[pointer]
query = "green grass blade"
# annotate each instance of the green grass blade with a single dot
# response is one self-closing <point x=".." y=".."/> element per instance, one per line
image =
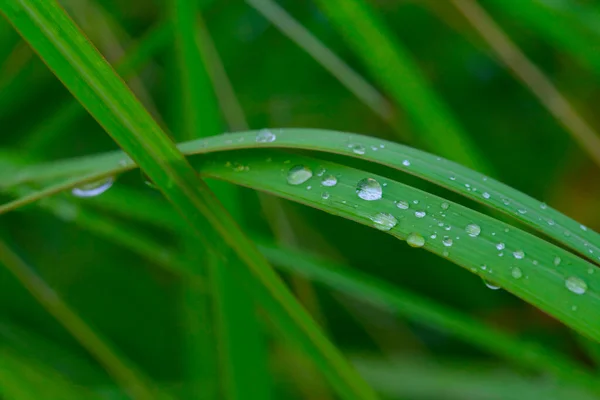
<point x="427" y="312"/>
<point x="447" y="174"/>
<point x="122" y="370"/>
<point x="532" y="77"/>
<point x="52" y="128"/>
<point x="394" y="69"/>
<point x="72" y="58"/>
<point x="355" y="83"/>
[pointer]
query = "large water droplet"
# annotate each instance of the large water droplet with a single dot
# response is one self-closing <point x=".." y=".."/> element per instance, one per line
<point x="369" y="189"/>
<point x="415" y="240"/>
<point x="519" y="254"/>
<point x="447" y="241"/>
<point x="576" y="285"/>
<point x="265" y="136"/>
<point x="93" y="188"/>
<point x="329" y="181"/>
<point x="420" y="214"/>
<point x="516" y="273"/>
<point x="473" y="230"/>
<point x="384" y="221"/>
<point x="357" y="148"/>
<point x="298" y="174"/>
<point x="401" y="204"/>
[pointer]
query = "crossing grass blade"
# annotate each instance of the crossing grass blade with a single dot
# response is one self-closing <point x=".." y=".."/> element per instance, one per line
<point x="93" y="82"/>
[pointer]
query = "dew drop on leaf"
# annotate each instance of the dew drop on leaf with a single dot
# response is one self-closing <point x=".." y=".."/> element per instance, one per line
<point x="519" y="254"/>
<point x="491" y="285"/>
<point x="445" y="206"/>
<point x="401" y="204"/>
<point x="420" y="214"/>
<point x="369" y="189"/>
<point x="486" y="195"/>
<point x="298" y="174"/>
<point x="265" y="136"/>
<point x="447" y="241"/>
<point x="415" y="240"/>
<point x="500" y="246"/>
<point x="325" y="195"/>
<point x="384" y="221"/>
<point x="93" y="188"/>
<point x="329" y="181"/>
<point x="557" y="261"/>
<point x="357" y="148"/>
<point x="576" y="285"/>
<point x="516" y="273"/>
<point x="406" y="163"/>
<point x="473" y="230"/>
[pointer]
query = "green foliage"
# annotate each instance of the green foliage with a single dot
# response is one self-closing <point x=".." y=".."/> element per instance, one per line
<point x="163" y="285"/>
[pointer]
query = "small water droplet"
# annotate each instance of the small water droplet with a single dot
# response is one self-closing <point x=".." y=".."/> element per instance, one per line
<point x="452" y="178"/>
<point x="516" y="273"/>
<point x="500" y="246"/>
<point x="357" y="148"/>
<point x="447" y="241"/>
<point x="551" y="222"/>
<point x="93" y="188"/>
<point x="576" y="285"/>
<point x="415" y="201"/>
<point x="583" y="227"/>
<point x="486" y="195"/>
<point x="325" y="195"/>
<point x="329" y="181"/>
<point x="298" y="174"/>
<point x="415" y="240"/>
<point x="369" y="189"/>
<point x="445" y="206"/>
<point x="522" y="211"/>
<point x="401" y="204"/>
<point x="535" y="262"/>
<point x="519" y="254"/>
<point x="483" y="267"/>
<point x="491" y="285"/>
<point x="420" y="214"/>
<point x="265" y="136"/>
<point x="557" y="261"/>
<point x="308" y="187"/>
<point x="374" y="148"/>
<point x="505" y="202"/>
<point x="543" y="206"/>
<point x="384" y="221"/>
<point x="473" y="230"/>
<point x="445" y="253"/>
<point x="321" y="171"/>
<point x="433" y="236"/>
<point x="406" y="163"/>
<point x="590" y="270"/>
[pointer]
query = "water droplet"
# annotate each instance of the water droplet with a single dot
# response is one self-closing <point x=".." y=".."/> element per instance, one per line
<point x="308" y="187"/>
<point x="518" y="254"/>
<point x="452" y="178"/>
<point x="491" y="286"/>
<point x="329" y="181"/>
<point x="374" y="148"/>
<point x="369" y="189"/>
<point x="505" y="202"/>
<point x="406" y="163"/>
<point x="420" y="214"/>
<point x="415" y="201"/>
<point x="445" y="253"/>
<point x="401" y="204"/>
<point x="433" y="236"/>
<point x="445" y="206"/>
<point x="298" y="174"/>
<point x="415" y="240"/>
<point x="522" y="211"/>
<point x="321" y="171"/>
<point x="384" y="221"/>
<point x="486" y="195"/>
<point x="543" y="206"/>
<point x="583" y="227"/>
<point x="500" y="246"/>
<point x="576" y="285"/>
<point x="473" y="230"/>
<point x="516" y="273"/>
<point x="447" y="241"/>
<point x="557" y="261"/>
<point x="590" y="270"/>
<point x="357" y="148"/>
<point x="551" y="222"/>
<point x="483" y="267"/>
<point x="325" y="195"/>
<point x="265" y="136"/>
<point x="535" y="262"/>
<point x="93" y="188"/>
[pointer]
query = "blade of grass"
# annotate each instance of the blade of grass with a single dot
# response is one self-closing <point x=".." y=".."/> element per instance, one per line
<point x="447" y="174"/>
<point x="532" y="77"/>
<point x="355" y="83"/>
<point x="56" y="125"/>
<point x="58" y="41"/>
<point x="544" y="275"/>
<point x="392" y="66"/>
<point x="122" y="370"/>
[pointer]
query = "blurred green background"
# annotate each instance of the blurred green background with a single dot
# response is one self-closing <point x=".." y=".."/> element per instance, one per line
<point x="137" y="306"/>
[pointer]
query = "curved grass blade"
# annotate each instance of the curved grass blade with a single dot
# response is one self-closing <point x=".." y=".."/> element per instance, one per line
<point x="447" y="174"/>
<point x="93" y="82"/>
<point x="532" y="77"/>
<point x="122" y="371"/>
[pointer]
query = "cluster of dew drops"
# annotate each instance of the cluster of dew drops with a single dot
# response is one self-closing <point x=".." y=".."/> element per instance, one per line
<point x="369" y="189"/>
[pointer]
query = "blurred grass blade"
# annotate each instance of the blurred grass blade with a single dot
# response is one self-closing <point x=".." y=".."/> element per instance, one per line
<point x="355" y="83"/>
<point x="25" y="378"/>
<point x="532" y="77"/>
<point x="447" y="174"/>
<point x="52" y="128"/>
<point x="93" y="82"/>
<point x="423" y="311"/>
<point x="121" y="370"/>
<point x="395" y="69"/>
